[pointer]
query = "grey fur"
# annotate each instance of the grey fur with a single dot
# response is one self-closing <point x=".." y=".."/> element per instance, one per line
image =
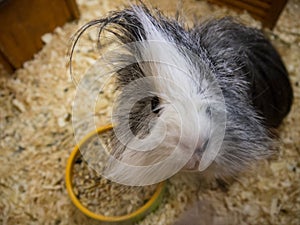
<point x="250" y="73"/>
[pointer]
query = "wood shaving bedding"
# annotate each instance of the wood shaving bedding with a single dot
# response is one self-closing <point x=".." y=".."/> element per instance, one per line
<point x="36" y="135"/>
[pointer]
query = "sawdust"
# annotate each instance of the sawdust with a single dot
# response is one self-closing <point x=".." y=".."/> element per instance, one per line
<point x="104" y="197"/>
<point x="36" y="135"/>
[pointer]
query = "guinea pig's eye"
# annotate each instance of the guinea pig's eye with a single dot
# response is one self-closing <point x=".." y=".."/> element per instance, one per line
<point x="208" y="111"/>
<point x="154" y="105"/>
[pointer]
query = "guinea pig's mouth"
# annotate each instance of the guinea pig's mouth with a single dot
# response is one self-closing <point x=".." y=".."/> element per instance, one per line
<point x="193" y="163"/>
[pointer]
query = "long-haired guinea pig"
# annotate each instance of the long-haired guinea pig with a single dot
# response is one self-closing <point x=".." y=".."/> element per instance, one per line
<point x="171" y="80"/>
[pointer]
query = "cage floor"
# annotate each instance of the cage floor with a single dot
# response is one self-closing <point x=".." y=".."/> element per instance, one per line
<point x="36" y="136"/>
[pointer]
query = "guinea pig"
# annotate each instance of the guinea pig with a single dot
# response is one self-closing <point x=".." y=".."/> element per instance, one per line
<point x="172" y="80"/>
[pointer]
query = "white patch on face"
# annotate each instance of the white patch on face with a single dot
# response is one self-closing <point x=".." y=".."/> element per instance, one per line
<point x="178" y="86"/>
<point x="182" y="125"/>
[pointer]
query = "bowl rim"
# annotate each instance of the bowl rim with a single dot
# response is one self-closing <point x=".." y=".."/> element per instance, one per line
<point x="69" y="185"/>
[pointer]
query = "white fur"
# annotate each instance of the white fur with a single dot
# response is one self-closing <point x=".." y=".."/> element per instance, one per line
<point x="183" y="125"/>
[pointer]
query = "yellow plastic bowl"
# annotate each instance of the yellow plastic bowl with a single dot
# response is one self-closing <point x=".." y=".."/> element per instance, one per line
<point x="148" y="207"/>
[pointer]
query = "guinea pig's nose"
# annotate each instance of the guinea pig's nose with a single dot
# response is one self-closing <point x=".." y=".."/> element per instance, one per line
<point x="202" y="148"/>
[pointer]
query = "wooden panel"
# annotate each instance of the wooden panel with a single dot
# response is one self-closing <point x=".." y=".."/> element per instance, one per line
<point x="257" y="3"/>
<point x="5" y="63"/>
<point x="73" y="8"/>
<point x="244" y="6"/>
<point x="266" y="11"/>
<point x="274" y="13"/>
<point x="23" y="22"/>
